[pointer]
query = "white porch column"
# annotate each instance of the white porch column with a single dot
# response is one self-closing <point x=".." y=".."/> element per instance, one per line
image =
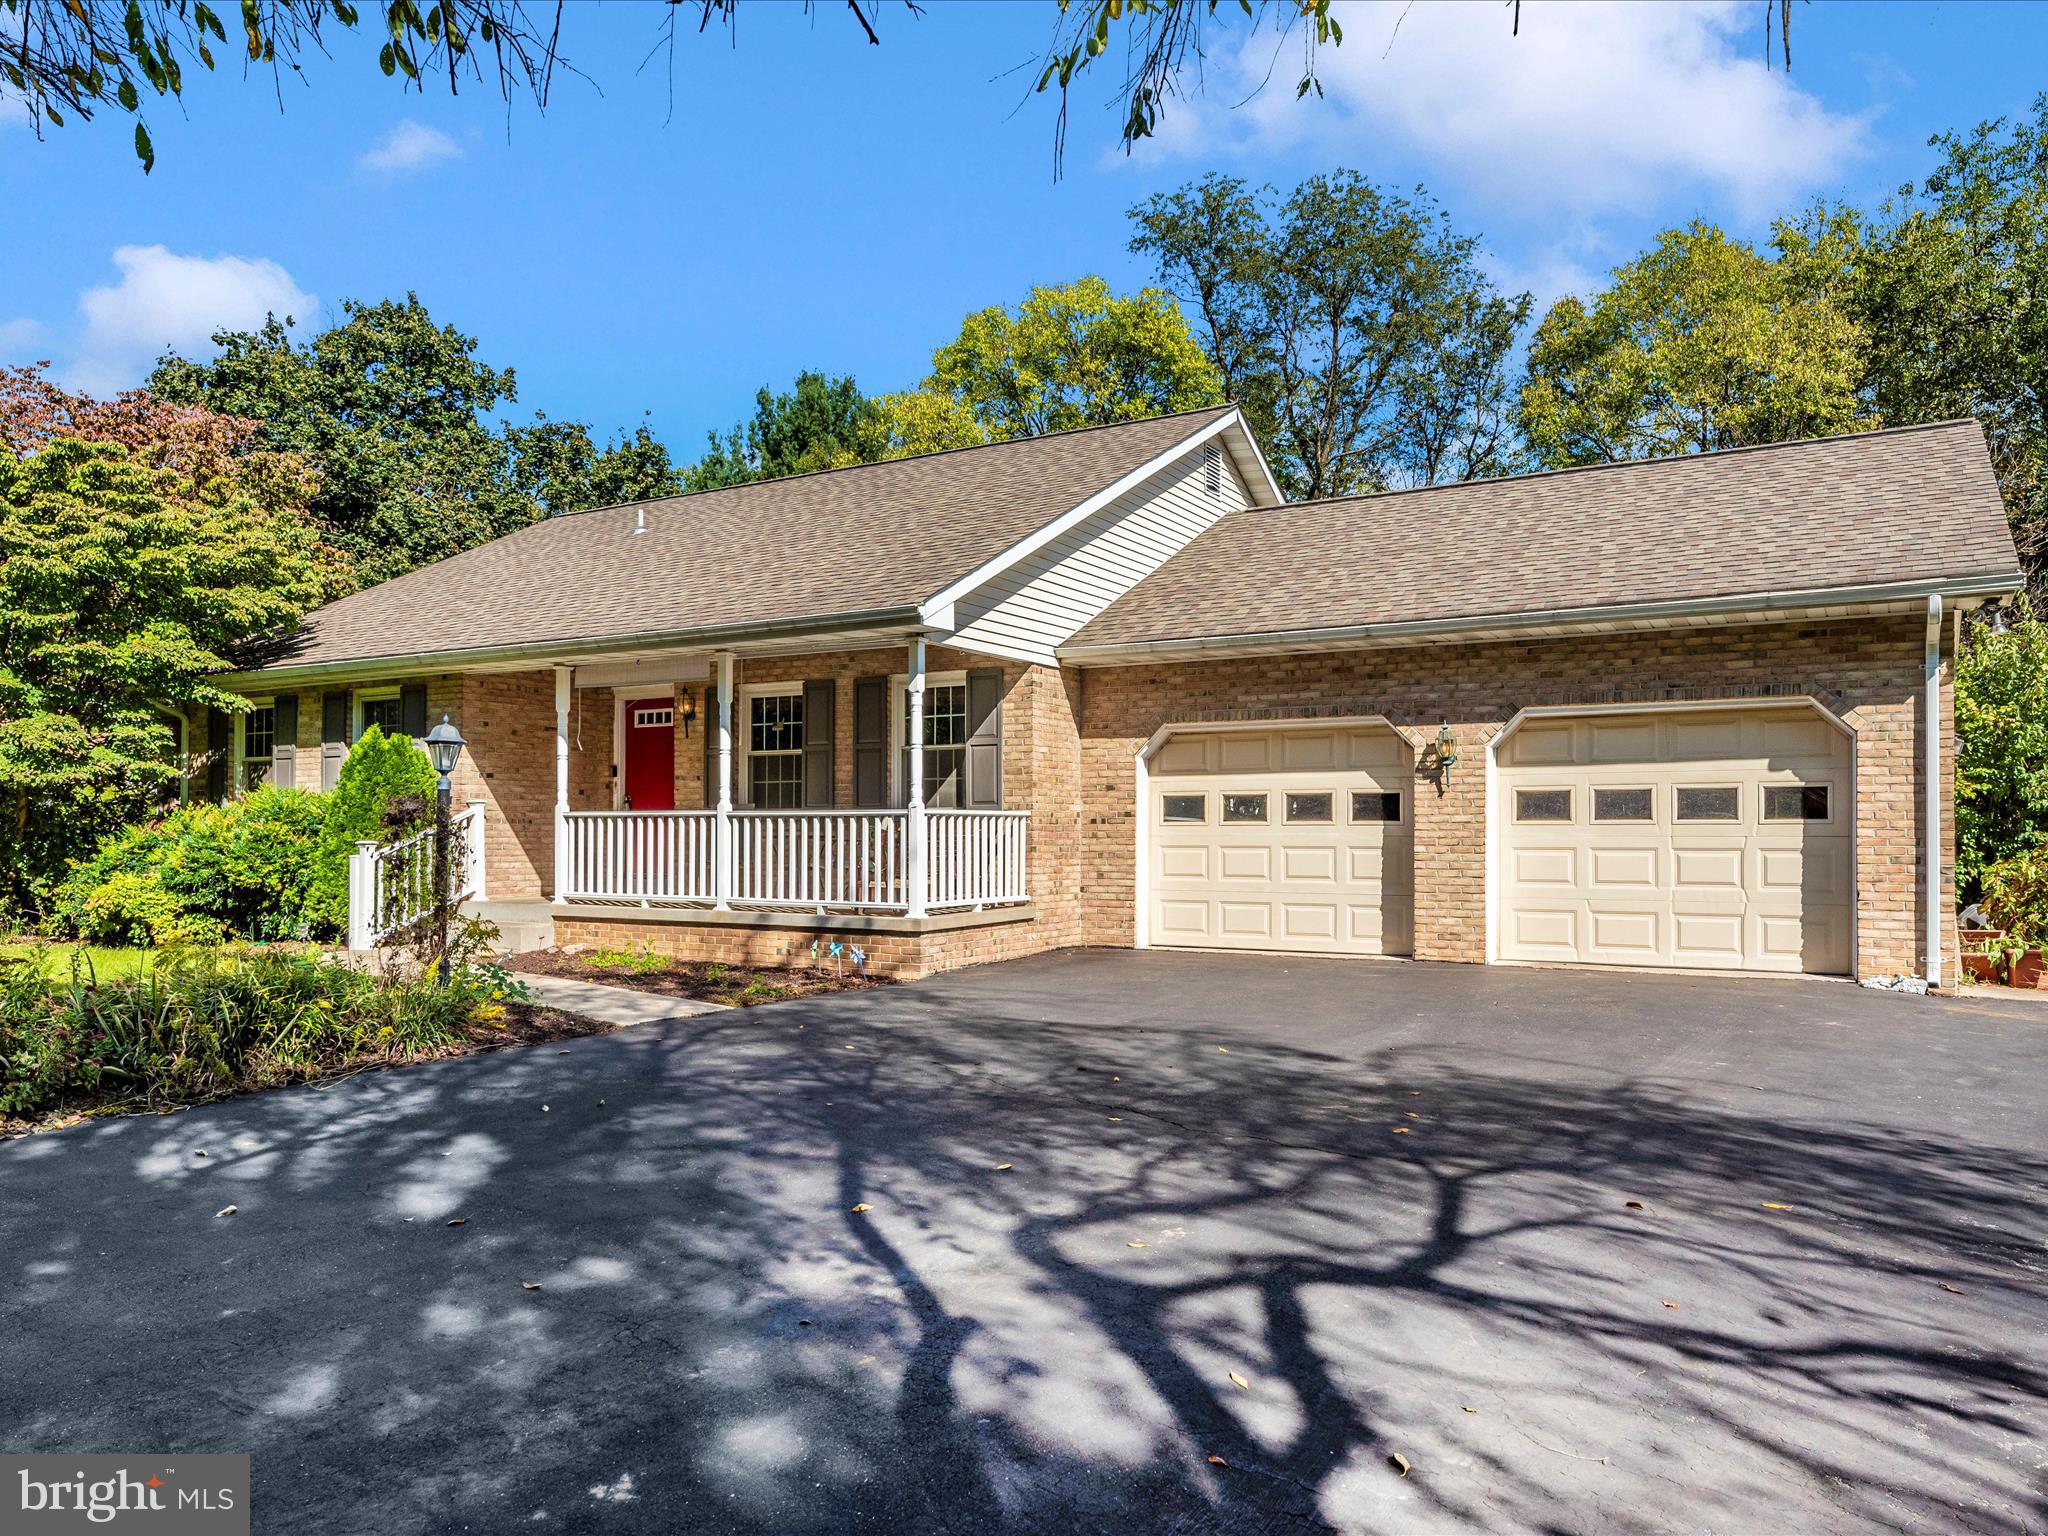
<point x="722" y="829"/>
<point x="916" y="848"/>
<point x="564" y="681"/>
<point x="1937" y="919"/>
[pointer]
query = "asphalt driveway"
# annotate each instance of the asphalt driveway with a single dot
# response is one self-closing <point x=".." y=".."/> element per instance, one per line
<point x="1592" y="1252"/>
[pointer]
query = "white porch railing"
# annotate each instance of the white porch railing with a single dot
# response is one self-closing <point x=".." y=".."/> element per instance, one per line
<point x="977" y="857"/>
<point x="390" y="887"/>
<point x="799" y="860"/>
<point x="820" y="858"/>
<point x="641" y="855"/>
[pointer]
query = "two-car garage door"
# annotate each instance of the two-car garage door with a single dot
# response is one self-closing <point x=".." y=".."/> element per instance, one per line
<point x="1285" y="839"/>
<point x="1712" y="840"/>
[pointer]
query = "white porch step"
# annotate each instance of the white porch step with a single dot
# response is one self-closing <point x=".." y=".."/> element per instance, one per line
<point x="522" y="925"/>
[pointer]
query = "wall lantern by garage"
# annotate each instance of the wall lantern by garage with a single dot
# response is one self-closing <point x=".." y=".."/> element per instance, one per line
<point x="1446" y="755"/>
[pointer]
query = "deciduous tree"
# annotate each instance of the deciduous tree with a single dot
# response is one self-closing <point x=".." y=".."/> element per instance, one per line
<point x="1700" y="343"/>
<point x="1074" y="355"/>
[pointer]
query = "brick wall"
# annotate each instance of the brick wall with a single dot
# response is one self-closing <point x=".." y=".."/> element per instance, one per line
<point x="1866" y="671"/>
<point x="905" y="956"/>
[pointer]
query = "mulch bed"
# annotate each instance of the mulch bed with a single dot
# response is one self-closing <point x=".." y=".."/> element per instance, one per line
<point x="735" y="985"/>
<point x="523" y="1024"/>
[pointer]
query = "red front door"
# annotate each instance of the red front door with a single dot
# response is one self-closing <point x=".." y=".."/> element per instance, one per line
<point x="651" y="754"/>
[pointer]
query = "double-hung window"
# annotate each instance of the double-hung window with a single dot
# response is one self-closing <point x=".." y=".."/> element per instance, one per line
<point x="378" y="707"/>
<point x="259" y="745"/>
<point x="775" y="751"/>
<point x="945" y="743"/>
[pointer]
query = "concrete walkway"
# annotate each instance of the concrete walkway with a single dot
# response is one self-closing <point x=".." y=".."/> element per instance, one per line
<point x="613" y="1005"/>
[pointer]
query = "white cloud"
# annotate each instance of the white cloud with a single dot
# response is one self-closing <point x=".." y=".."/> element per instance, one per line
<point x="18" y="338"/>
<point x="1593" y="106"/>
<point x="167" y="300"/>
<point x="410" y="146"/>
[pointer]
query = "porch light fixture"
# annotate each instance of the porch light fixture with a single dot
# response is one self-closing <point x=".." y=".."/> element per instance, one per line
<point x="1446" y="751"/>
<point x="686" y="708"/>
<point x="444" y="747"/>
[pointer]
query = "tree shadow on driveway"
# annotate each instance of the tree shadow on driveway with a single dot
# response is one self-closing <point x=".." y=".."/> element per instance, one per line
<point x="1579" y="1297"/>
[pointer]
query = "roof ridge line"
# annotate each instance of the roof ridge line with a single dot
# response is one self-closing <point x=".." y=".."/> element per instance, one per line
<point x="1662" y="458"/>
<point x="908" y="458"/>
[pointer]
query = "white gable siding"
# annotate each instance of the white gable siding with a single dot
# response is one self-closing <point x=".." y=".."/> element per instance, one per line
<point x="1043" y="600"/>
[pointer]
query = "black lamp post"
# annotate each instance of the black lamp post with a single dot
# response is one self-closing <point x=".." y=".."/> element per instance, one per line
<point x="444" y="747"/>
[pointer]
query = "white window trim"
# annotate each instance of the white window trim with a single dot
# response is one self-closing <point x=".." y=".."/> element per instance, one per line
<point x="359" y="698"/>
<point x="239" y="758"/>
<point x="743" y="736"/>
<point x="622" y="700"/>
<point x="899" y="684"/>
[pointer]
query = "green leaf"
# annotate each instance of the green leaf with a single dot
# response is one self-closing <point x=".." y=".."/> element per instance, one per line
<point x="144" y="150"/>
<point x="128" y="96"/>
<point x="387" y="60"/>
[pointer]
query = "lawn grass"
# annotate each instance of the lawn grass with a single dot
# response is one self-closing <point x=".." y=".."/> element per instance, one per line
<point x="105" y="964"/>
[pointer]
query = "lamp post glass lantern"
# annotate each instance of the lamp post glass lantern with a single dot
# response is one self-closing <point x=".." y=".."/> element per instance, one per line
<point x="444" y="749"/>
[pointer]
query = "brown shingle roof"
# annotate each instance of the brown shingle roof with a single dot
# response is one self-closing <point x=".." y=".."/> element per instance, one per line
<point x="1907" y="504"/>
<point x="840" y="542"/>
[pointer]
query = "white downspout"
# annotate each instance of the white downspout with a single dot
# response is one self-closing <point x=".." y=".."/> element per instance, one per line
<point x="1141" y="928"/>
<point x="564" y="681"/>
<point x="1935" y="923"/>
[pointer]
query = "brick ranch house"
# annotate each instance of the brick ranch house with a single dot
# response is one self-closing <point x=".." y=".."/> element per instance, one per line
<point x="1680" y="713"/>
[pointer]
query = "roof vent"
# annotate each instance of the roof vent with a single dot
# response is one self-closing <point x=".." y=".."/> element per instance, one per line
<point x="1212" y="470"/>
<point x="640" y="520"/>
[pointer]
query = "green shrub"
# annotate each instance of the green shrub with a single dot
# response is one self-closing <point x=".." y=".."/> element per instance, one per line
<point x="2001" y="747"/>
<point x="381" y="771"/>
<point x="242" y="869"/>
<point x="2016" y="896"/>
<point x="203" y="1022"/>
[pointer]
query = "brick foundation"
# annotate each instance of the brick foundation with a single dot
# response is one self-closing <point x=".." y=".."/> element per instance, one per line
<point x="903" y="955"/>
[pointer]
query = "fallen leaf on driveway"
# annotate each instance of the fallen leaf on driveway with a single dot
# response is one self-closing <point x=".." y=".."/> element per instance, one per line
<point x="1116" y="1117"/>
<point x="1672" y="1305"/>
<point x="1634" y="1205"/>
<point x="1004" y="1167"/>
<point x="862" y="1207"/>
<point x="1238" y="1381"/>
<point x="1224" y="1049"/>
<point x="1399" y="1462"/>
<point x="1772" y="1205"/>
<point x="1953" y="1290"/>
<point x="529" y="1285"/>
<point x="1471" y="1410"/>
<point x="459" y="1221"/>
<point x="1218" y="1461"/>
<point x="199" y="1152"/>
<point x="226" y="1210"/>
<point x="1400" y="1130"/>
<point x="543" y="1109"/>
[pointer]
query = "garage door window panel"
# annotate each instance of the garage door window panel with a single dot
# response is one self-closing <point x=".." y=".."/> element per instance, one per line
<point x="1631" y="804"/>
<point x="1244" y="808"/>
<point x="1707" y="802"/>
<point x="1543" y="805"/>
<point x="1315" y="806"/>
<point x="1375" y="805"/>
<point x="1797" y="802"/>
<point x="1184" y="809"/>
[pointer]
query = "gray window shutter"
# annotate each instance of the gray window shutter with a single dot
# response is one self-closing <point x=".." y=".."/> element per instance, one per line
<point x="871" y="742"/>
<point x="710" y="721"/>
<point x="984" y="788"/>
<point x="284" y="751"/>
<point x="820" y="697"/>
<point x="412" y="710"/>
<point x="220" y="747"/>
<point x="333" y="736"/>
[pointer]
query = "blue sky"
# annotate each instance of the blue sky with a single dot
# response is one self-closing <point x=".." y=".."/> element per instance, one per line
<point x="809" y="201"/>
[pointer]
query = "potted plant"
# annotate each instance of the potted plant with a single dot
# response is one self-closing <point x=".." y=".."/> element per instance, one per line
<point x="2016" y="900"/>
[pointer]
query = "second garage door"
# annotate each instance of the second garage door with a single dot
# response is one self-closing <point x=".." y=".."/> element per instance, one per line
<point x="1715" y="840"/>
<point x="1294" y="839"/>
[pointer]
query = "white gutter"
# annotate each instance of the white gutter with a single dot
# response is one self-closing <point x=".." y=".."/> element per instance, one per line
<point x="1932" y="859"/>
<point x="1560" y="618"/>
<point x="550" y="651"/>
